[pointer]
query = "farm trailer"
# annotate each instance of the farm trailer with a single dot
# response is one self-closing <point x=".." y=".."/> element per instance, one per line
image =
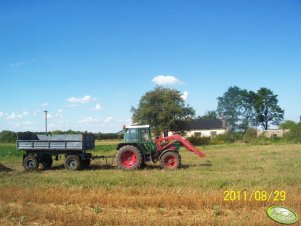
<point x="40" y="149"/>
<point x="136" y="149"/>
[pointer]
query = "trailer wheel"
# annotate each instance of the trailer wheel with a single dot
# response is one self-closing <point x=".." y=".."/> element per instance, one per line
<point x="72" y="162"/>
<point x="46" y="161"/>
<point x="129" y="158"/>
<point x="170" y="160"/>
<point x="30" y="162"/>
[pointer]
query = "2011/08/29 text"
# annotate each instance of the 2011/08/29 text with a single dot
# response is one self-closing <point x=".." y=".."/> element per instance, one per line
<point x="259" y="196"/>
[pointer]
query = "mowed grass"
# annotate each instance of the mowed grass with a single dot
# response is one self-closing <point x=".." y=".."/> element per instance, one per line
<point x="192" y="195"/>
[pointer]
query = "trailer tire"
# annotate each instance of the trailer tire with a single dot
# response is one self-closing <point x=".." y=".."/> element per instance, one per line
<point x="30" y="162"/>
<point x="46" y="161"/>
<point x="129" y="157"/>
<point x="170" y="160"/>
<point x="72" y="162"/>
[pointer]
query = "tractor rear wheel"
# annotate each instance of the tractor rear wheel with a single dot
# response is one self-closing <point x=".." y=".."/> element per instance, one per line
<point x="170" y="160"/>
<point x="30" y="162"/>
<point x="72" y="162"/>
<point x="129" y="158"/>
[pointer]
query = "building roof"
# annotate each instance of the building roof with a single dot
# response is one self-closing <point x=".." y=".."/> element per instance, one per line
<point x="202" y="124"/>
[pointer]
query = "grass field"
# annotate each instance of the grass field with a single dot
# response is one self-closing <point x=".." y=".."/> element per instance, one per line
<point x="192" y="195"/>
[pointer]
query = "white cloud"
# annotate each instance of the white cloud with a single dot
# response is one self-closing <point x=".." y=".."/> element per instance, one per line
<point x="72" y="105"/>
<point x="88" y="120"/>
<point x="25" y="113"/>
<point x="108" y="119"/>
<point x="52" y="115"/>
<point x="1" y="114"/>
<point x="166" y="80"/>
<point x="97" y="107"/>
<point x="185" y="95"/>
<point x="14" y="115"/>
<point x="44" y="104"/>
<point x="49" y="116"/>
<point x="28" y="123"/>
<point x="36" y="112"/>
<point x="22" y="62"/>
<point x="80" y="100"/>
<point x="58" y="115"/>
<point x="127" y="121"/>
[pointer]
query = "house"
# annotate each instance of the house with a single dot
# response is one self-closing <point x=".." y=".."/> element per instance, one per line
<point x="206" y="128"/>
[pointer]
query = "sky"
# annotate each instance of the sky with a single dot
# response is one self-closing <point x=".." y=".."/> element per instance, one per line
<point x="88" y="62"/>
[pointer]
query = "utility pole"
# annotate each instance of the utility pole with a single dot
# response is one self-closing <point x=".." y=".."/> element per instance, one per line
<point x="46" y="121"/>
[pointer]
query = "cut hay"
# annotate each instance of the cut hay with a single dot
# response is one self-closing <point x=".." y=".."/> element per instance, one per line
<point x="4" y="168"/>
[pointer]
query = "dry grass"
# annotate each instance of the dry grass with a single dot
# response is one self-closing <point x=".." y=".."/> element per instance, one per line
<point x="192" y="195"/>
<point x="4" y="168"/>
<point x="58" y="206"/>
<point x="108" y="141"/>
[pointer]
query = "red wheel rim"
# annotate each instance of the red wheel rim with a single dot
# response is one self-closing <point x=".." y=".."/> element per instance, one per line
<point x="170" y="161"/>
<point x="128" y="158"/>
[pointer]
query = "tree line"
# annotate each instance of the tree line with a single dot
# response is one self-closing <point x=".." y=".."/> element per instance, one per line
<point x="164" y="109"/>
<point x="7" y="136"/>
<point x="244" y="109"/>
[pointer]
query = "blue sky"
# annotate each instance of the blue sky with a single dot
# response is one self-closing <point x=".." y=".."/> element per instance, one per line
<point x="88" y="62"/>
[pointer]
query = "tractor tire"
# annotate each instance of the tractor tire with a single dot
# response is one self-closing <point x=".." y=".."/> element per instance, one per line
<point x="72" y="162"/>
<point x="46" y="161"/>
<point x="170" y="160"/>
<point x="129" y="158"/>
<point x="30" y="162"/>
<point x="85" y="163"/>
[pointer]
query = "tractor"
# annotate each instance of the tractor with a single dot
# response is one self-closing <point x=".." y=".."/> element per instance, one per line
<point x="138" y="148"/>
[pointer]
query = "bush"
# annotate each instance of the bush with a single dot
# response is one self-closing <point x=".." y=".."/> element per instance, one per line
<point x="8" y="136"/>
<point x="294" y="134"/>
<point x="106" y="136"/>
<point x="288" y="124"/>
<point x="228" y="137"/>
<point x="198" y="140"/>
<point x="263" y="140"/>
<point x="250" y="136"/>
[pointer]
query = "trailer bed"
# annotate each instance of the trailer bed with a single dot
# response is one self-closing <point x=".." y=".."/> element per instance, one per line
<point x="56" y="142"/>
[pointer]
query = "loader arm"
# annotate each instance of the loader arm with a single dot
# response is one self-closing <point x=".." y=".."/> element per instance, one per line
<point x="182" y="140"/>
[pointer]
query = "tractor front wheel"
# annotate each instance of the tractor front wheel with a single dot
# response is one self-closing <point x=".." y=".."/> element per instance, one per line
<point x="170" y="160"/>
<point x="129" y="158"/>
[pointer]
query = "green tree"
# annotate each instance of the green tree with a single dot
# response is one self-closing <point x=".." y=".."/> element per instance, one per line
<point x="7" y="136"/>
<point x="287" y="124"/>
<point x="236" y="107"/>
<point x="295" y="133"/>
<point x="209" y="115"/>
<point x="164" y="109"/>
<point x="267" y="110"/>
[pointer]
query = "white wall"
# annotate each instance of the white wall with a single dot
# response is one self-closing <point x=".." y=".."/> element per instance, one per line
<point x="272" y="132"/>
<point x="205" y="133"/>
